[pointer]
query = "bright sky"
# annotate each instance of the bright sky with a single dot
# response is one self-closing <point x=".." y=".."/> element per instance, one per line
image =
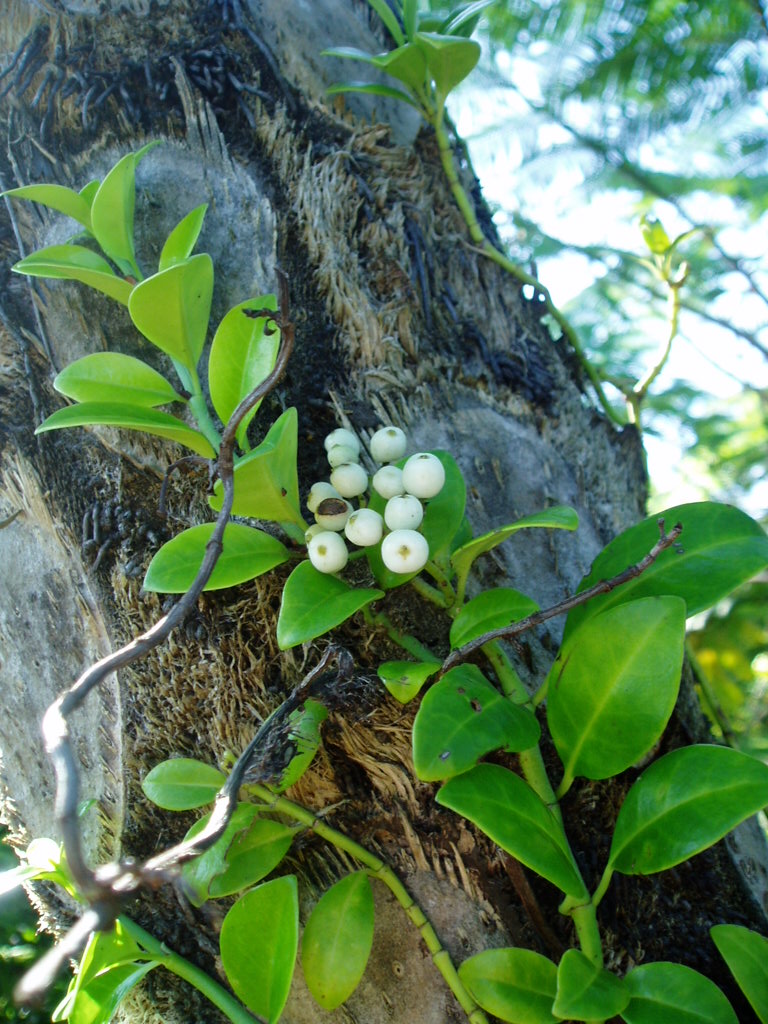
<point x="708" y="357"/>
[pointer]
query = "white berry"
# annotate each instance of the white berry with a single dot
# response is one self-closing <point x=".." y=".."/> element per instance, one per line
<point x="364" y="527"/>
<point x="349" y="479"/>
<point x="341" y="453"/>
<point x="423" y="475"/>
<point x="342" y="436"/>
<point x="388" y="444"/>
<point x="403" y="512"/>
<point x="312" y="531"/>
<point x="319" y="492"/>
<point x="327" y="552"/>
<point x="333" y="513"/>
<point x="388" y="481"/>
<point x="404" y="551"/>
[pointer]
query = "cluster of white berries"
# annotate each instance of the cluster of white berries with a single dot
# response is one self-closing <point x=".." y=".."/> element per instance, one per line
<point x="403" y="549"/>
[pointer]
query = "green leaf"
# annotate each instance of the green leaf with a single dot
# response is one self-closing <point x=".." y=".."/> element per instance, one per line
<point x="181" y="241"/>
<point x="410" y="12"/>
<point x="315" y="603"/>
<point x="449" y="59"/>
<point x="586" y="991"/>
<point x="460" y="19"/>
<point x="246" y="554"/>
<point x="505" y="807"/>
<point x="114" y="377"/>
<point x="337" y="940"/>
<point x="182" y="784"/>
<point x="515" y="985"/>
<point x="172" y="307"/>
<point x="559" y="517"/>
<point x="674" y="994"/>
<point x="654" y="235"/>
<point x="721" y="548"/>
<point x="259" y="940"/>
<point x="614" y="684"/>
<point x="76" y="263"/>
<point x="266" y="481"/>
<point x="56" y="197"/>
<point x="372" y="89"/>
<point x="242" y="355"/>
<point x="304" y="732"/>
<point x="112" y="210"/>
<point x="491" y="609"/>
<point x="404" y="679"/>
<point x="131" y="417"/>
<point x="389" y="18"/>
<point x="746" y="953"/>
<point x="407" y="64"/>
<point x="461" y="719"/>
<point x="252" y="856"/>
<point x="198" y="874"/>
<point x="683" y="803"/>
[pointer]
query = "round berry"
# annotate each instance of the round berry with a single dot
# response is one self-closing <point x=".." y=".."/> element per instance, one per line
<point x="404" y="551"/>
<point x="333" y="513"/>
<point x="423" y="475"/>
<point x="388" y="481"/>
<point x="364" y="527"/>
<point x="388" y="444"/>
<point x="349" y="479"/>
<point x="403" y="512"/>
<point x="327" y="552"/>
<point x="312" y="531"/>
<point x="319" y="492"/>
<point x="341" y="453"/>
<point x="342" y="436"/>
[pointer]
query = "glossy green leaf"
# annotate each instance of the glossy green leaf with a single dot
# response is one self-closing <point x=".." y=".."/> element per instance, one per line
<point x="505" y="807"/>
<point x="56" y="197"/>
<point x="491" y="609"/>
<point x="304" y="733"/>
<point x="407" y="64"/>
<point x="462" y="718"/>
<point x="76" y="263"/>
<point x="252" y="856"/>
<point x="614" y="684"/>
<point x="266" y="481"/>
<point x="337" y="940"/>
<point x="683" y="803"/>
<point x="198" y="874"/>
<point x="172" y="307"/>
<point x="182" y="784"/>
<point x="259" y="940"/>
<point x="372" y="89"/>
<point x="559" y="517"/>
<point x="131" y="417"/>
<point x="410" y="13"/>
<point x="181" y="241"/>
<point x="404" y="679"/>
<point x="515" y="985"/>
<point x="389" y="18"/>
<point x="449" y="59"/>
<point x="746" y="953"/>
<point x="246" y="553"/>
<point x="459" y="20"/>
<point x="674" y="994"/>
<point x="720" y="547"/>
<point x="88" y="192"/>
<point x="114" y="377"/>
<point x="315" y="603"/>
<point x="243" y="354"/>
<point x="654" y="235"/>
<point x="586" y="991"/>
<point x="112" y="212"/>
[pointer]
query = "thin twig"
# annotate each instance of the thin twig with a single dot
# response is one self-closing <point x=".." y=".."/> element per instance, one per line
<point x="666" y="540"/>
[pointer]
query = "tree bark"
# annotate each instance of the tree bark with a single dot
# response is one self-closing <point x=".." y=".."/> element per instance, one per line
<point x="398" y="319"/>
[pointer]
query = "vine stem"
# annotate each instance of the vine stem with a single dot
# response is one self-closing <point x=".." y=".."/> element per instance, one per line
<point x="378" y="869"/>
<point x="488" y="249"/>
<point x="189" y="972"/>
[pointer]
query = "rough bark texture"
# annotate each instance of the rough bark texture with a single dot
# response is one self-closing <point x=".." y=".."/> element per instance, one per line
<point x="398" y="320"/>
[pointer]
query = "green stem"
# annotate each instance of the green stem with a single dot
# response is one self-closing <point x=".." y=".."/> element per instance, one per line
<point x="510" y="682"/>
<point x="476" y="234"/>
<point x="197" y="404"/>
<point x="405" y="640"/>
<point x="640" y="390"/>
<point x="229" y="1006"/>
<point x="378" y="869"/>
<point x="443" y="583"/>
<point x="429" y="592"/>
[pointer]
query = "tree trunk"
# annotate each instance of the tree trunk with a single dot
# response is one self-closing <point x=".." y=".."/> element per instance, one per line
<point x="398" y="319"/>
